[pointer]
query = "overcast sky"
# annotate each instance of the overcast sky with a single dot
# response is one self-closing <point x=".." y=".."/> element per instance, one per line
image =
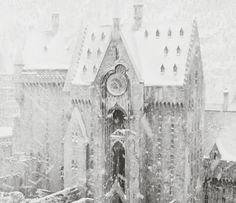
<point x="216" y="20"/>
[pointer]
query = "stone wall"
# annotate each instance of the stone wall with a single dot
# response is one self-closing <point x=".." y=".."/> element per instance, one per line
<point x="41" y="126"/>
<point x="164" y="154"/>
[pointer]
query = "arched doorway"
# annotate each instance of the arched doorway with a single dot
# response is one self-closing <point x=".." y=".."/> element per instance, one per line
<point x="118" y="164"/>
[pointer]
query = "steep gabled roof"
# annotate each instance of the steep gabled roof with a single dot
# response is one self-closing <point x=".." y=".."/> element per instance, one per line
<point x="152" y="51"/>
<point x="48" y="50"/>
<point x="94" y="46"/>
<point x="150" y="48"/>
<point x="220" y="130"/>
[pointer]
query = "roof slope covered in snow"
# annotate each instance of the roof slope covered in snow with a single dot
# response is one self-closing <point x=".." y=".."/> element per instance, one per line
<point x="220" y="128"/>
<point x="48" y="50"/>
<point x="159" y="52"/>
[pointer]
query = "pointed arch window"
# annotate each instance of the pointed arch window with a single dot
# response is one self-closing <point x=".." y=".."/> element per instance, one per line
<point x="166" y="51"/>
<point x="162" y="68"/>
<point x="181" y="32"/>
<point x="84" y="69"/>
<point x="118" y="164"/>
<point x="103" y="36"/>
<point x="99" y="52"/>
<point x="89" y="52"/>
<point x="146" y="33"/>
<point x="178" y="51"/>
<point x="93" y="37"/>
<point x="175" y="68"/>
<point x="157" y="33"/>
<point x="169" y="33"/>
<point x="94" y="69"/>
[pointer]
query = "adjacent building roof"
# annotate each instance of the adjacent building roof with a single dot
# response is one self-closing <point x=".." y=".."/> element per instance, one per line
<point x="220" y="129"/>
<point x="48" y="50"/>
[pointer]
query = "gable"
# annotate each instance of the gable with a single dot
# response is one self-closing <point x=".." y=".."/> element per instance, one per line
<point x="99" y="56"/>
<point x="77" y="125"/>
<point x="148" y="49"/>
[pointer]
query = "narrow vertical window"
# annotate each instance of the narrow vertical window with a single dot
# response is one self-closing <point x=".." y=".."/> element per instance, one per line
<point x="157" y="33"/>
<point x="87" y="156"/>
<point x="166" y="51"/>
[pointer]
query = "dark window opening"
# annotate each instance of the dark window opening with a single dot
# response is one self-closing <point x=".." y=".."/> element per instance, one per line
<point x="215" y="156"/>
<point x="118" y="120"/>
<point x="118" y="164"/>
<point x="181" y="32"/>
<point x="116" y="199"/>
<point x="162" y="68"/>
<point x="166" y="51"/>
<point x="157" y="33"/>
<point x="87" y="156"/>
<point x="178" y="50"/>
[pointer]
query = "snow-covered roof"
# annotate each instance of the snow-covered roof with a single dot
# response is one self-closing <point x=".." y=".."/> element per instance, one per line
<point x="5" y="132"/>
<point x="226" y="146"/>
<point x="94" y="46"/>
<point x="157" y="51"/>
<point x="48" y="49"/>
<point x="220" y="130"/>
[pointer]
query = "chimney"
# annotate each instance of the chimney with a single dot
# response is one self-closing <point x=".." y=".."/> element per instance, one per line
<point x="138" y="14"/>
<point x="55" y="22"/>
<point x="226" y="100"/>
<point x="116" y="20"/>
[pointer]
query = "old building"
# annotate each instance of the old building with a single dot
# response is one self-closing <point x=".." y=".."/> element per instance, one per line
<point x="117" y="108"/>
<point x="219" y="148"/>
<point x="220" y="173"/>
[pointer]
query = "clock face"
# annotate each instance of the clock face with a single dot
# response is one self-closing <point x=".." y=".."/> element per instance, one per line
<point x="117" y="84"/>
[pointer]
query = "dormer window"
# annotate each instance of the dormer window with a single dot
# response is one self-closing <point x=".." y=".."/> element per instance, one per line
<point x="178" y="50"/>
<point x="157" y="34"/>
<point x="94" y="69"/>
<point x="214" y="155"/>
<point x="93" y="36"/>
<point x="166" y="51"/>
<point x="162" y="68"/>
<point x="181" y="32"/>
<point x="102" y="36"/>
<point x="175" y="69"/>
<point x="146" y="33"/>
<point x="84" y="69"/>
<point x="169" y="33"/>
<point x="99" y="52"/>
<point x="89" y="52"/>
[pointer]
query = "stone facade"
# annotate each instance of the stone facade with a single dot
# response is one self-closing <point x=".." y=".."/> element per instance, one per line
<point x="8" y="106"/>
<point x="41" y="126"/>
<point x="111" y="131"/>
<point x="219" y="184"/>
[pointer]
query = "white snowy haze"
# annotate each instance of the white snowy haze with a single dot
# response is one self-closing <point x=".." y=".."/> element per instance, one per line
<point x="216" y="22"/>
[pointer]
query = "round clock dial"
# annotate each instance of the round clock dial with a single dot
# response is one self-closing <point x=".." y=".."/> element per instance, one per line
<point x="117" y="84"/>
